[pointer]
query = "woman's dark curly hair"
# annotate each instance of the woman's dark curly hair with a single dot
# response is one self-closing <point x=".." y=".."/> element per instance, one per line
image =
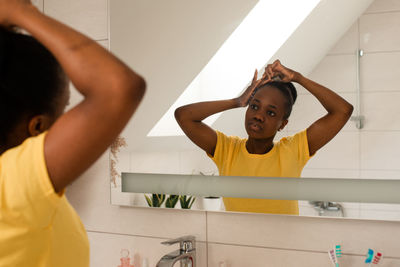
<point x="31" y="80"/>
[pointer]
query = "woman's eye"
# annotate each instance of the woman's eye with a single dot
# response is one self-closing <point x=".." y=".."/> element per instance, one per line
<point x="271" y="113"/>
<point x="252" y="106"/>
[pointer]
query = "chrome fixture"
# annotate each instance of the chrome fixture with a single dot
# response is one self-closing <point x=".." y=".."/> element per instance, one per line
<point x="186" y="255"/>
<point x="358" y="118"/>
<point x="323" y="206"/>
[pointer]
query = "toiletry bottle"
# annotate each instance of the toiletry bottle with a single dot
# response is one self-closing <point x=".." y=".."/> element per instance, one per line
<point x="125" y="260"/>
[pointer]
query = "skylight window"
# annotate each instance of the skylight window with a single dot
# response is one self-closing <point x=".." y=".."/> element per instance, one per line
<point x="264" y="30"/>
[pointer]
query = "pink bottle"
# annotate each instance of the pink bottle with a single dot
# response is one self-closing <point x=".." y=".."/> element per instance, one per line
<point x="125" y="260"/>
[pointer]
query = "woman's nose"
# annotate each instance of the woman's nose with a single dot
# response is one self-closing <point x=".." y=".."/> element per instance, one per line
<point x="259" y="117"/>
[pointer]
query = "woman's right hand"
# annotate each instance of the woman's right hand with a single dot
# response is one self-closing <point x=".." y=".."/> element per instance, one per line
<point x="244" y="99"/>
<point x="8" y="8"/>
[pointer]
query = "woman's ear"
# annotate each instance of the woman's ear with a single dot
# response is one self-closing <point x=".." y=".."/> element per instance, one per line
<point x="284" y="122"/>
<point x="38" y="124"/>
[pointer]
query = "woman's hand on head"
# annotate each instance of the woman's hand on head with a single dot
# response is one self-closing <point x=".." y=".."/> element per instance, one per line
<point x="8" y="9"/>
<point x="244" y="98"/>
<point x="276" y="71"/>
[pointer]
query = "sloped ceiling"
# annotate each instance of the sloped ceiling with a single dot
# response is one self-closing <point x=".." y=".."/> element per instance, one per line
<point x="169" y="42"/>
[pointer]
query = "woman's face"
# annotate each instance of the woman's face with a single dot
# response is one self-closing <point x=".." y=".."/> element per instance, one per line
<point x="265" y="114"/>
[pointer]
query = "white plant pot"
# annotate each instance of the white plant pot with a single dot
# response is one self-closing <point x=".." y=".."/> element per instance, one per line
<point x="212" y="204"/>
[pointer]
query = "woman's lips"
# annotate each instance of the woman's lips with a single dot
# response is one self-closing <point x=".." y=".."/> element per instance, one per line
<point x="254" y="126"/>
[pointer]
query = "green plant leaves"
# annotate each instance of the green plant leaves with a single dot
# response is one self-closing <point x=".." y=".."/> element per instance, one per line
<point x="186" y="201"/>
<point x="171" y="201"/>
<point x="156" y="200"/>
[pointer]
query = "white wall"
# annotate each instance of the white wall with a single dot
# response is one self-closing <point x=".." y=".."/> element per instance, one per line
<point x="252" y="239"/>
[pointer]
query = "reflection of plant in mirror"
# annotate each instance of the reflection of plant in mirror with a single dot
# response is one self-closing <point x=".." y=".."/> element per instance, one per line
<point x="115" y="148"/>
<point x="156" y="200"/>
<point x="171" y="201"/>
<point x="186" y="201"/>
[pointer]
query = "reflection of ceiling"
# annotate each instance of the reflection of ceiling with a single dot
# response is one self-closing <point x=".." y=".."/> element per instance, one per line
<point x="248" y="47"/>
<point x="151" y="37"/>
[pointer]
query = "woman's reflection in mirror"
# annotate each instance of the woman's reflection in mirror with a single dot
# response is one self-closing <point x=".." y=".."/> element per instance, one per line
<point x="269" y="102"/>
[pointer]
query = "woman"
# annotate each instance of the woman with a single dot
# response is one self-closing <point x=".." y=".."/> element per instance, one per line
<point x="269" y="106"/>
<point x="43" y="150"/>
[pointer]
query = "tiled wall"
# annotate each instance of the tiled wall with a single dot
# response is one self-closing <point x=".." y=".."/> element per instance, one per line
<point x="254" y="239"/>
<point x="373" y="151"/>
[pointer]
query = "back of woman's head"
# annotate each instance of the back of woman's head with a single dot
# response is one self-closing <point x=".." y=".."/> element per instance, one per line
<point x="31" y="80"/>
<point x="289" y="92"/>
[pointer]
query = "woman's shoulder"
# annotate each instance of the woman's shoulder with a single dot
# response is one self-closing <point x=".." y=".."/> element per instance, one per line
<point x="31" y="143"/>
<point x="232" y="139"/>
<point x="293" y="139"/>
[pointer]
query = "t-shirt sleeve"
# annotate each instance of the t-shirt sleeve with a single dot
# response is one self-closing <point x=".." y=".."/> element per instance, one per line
<point x="221" y="149"/>
<point x="26" y="184"/>
<point x="298" y="145"/>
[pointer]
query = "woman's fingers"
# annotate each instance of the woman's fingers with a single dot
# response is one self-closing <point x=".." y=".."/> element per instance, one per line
<point x="255" y="77"/>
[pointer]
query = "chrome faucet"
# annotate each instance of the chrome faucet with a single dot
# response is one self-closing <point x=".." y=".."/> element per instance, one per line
<point x="186" y="254"/>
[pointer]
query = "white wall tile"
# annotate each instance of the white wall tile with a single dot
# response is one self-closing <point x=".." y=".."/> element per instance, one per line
<point x="383" y="6"/>
<point x="308" y="109"/>
<point x="294" y="232"/>
<point x="380" y="32"/>
<point x="106" y="250"/>
<point x="380" y="111"/>
<point x="342" y="152"/>
<point x="330" y="173"/>
<point x="155" y="162"/>
<point x="89" y="16"/>
<point x="380" y="150"/>
<point x="195" y="161"/>
<point x="337" y="72"/>
<point x="380" y="174"/>
<point x="380" y="71"/>
<point x="348" y="44"/>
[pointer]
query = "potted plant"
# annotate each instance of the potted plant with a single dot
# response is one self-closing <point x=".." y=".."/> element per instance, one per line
<point x="171" y="201"/>
<point x="156" y="200"/>
<point x="186" y="201"/>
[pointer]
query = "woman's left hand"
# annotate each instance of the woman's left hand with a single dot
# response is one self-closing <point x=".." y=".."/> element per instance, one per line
<point x="276" y="71"/>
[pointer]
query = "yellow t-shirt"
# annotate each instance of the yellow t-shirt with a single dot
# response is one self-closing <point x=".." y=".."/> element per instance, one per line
<point x="286" y="159"/>
<point x="38" y="227"/>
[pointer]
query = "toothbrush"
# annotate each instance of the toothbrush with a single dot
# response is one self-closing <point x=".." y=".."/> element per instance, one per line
<point x="377" y="258"/>
<point x="370" y="256"/>
<point x="332" y="256"/>
<point x="338" y="252"/>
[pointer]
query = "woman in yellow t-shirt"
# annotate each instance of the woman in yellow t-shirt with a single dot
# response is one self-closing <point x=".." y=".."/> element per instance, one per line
<point x="43" y="150"/>
<point x="269" y="100"/>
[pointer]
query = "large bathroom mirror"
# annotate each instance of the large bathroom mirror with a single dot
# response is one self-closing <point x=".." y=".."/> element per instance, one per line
<point x="191" y="50"/>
